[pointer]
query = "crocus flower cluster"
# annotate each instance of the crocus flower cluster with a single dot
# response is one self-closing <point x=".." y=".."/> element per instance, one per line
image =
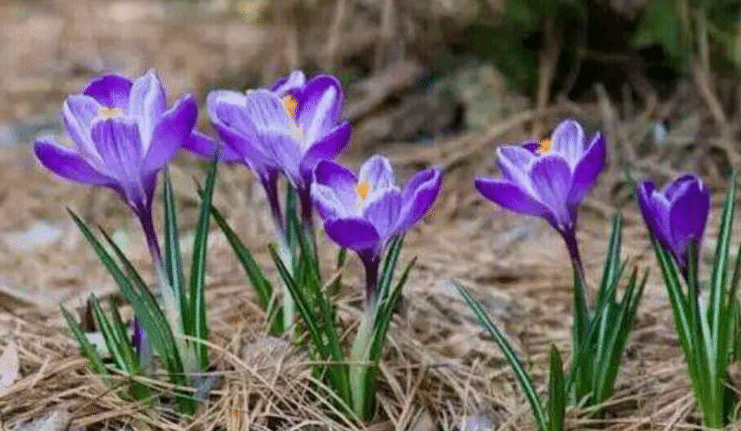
<point x="287" y="128"/>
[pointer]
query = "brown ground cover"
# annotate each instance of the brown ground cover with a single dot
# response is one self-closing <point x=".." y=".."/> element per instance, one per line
<point x="440" y="369"/>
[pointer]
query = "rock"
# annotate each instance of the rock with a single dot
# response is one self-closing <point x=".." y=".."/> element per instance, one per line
<point x="41" y="234"/>
<point x="24" y="132"/>
<point x="484" y="93"/>
<point x="57" y="421"/>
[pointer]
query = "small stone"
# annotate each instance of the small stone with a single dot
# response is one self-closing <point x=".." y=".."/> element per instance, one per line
<point x="41" y="234"/>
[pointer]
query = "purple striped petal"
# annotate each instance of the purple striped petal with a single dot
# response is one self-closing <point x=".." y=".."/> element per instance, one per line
<point x="110" y="90"/>
<point x="514" y="162"/>
<point x="286" y="84"/>
<point x="328" y="203"/>
<point x="568" y="141"/>
<point x="68" y="164"/>
<point x="678" y="186"/>
<point x="319" y="107"/>
<point x="339" y="179"/>
<point x="377" y="171"/>
<point x="147" y="102"/>
<point x="170" y="132"/>
<point x="512" y="197"/>
<point x="551" y="179"/>
<point x="119" y="145"/>
<point x="78" y="112"/>
<point x="354" y="233"/>
<point x="328" y="147"/>
<point x="587" y="170"/>
<point x="419" y="194"/>
<point x="204" y="146"/>
<point x="383" y="212"/>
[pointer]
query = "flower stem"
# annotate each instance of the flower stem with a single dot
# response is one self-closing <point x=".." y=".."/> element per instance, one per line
<point x="371" y="262"/>
<point x="270" y="185"/>
<point x="569" y="238"/>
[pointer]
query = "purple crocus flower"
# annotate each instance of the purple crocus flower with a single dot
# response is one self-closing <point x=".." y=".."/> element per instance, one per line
<point x="549" y="179"/>
<point x="289" y="128"/>
<point x="676" y="215"/>
<point x="123" y="135"/>
<point x="364" y="212"/>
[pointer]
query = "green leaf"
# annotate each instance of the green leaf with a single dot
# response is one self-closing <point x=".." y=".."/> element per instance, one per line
<point x="87" y="349"/>
<point x="661" y="25"/>
<point x="262" y="287"/>
<point x="556" y="393"/>
<point x="173" y="256"/>
<point x="198" y="269"/>
<point x="145" y="305"/>
<point x="525" y="383"/>
<point x="116" y="346"/>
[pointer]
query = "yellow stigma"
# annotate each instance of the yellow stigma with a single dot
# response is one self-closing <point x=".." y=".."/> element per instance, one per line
<point x="109" y="113"/>
<point x="362" y="189"/>
<point x="290" y="103"/>
<point x="544" y="146"/>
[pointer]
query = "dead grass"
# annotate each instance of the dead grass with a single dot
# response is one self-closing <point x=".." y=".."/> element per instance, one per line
<point x="439" y="370"/>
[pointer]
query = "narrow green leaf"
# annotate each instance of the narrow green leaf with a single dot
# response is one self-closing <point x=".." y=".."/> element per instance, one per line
<point x="310" y="319"/>
<point x="525" y="383"/>
<point x="719" y="275"/>
<point x="556" y="393"/>
<point x="149" y="312"/>
<point x="145" y="306"/>
<point x="122" y="333"/>
<point x="262" y="287"/>
<point x="173" y="255"/>
<point x="389" y="266"/>
<point x="341" y="257"/>
<point x="198" y="269"/>
<point x="87" y="349"/>
<point x="114" y="344"/>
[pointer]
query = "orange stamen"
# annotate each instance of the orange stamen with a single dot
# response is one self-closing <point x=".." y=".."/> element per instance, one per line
<point x="544" y="146"/>
<point x="291" y="105"/>
<point x="362" y="189"/>
<point x="110" y="112"/>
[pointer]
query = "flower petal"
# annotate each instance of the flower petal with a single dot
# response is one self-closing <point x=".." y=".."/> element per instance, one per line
<point x="512" y="197"/>
<point x="568" y="141"/>
<point x="119" y="144"/>
<point x="587" y="170"/>
<point x="328" y="147"/>
<point x="677" y="187"/>
<point x="383" y="212"/>
<point x="688" y="216"/>
<point x="170" y="132"/>
<point x="319" y="107"/>
<point x="289" y="83"/>
<point x="377" y="171"/>
<point x="419" y="194"/>
<point x="274" y="133"/>
<point x="354" y="233"/>
<point x="340" y="179"/>
<point x="110" y="90"/>
<point x="78" y="112"/>
<point x="551" y="179"/>
<point x="68" y="164"/>
<point x="327" y="202"/>
<point x="147" y="103"/>
<point x="514" y="162"/>
<point x="205" y="146"/>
